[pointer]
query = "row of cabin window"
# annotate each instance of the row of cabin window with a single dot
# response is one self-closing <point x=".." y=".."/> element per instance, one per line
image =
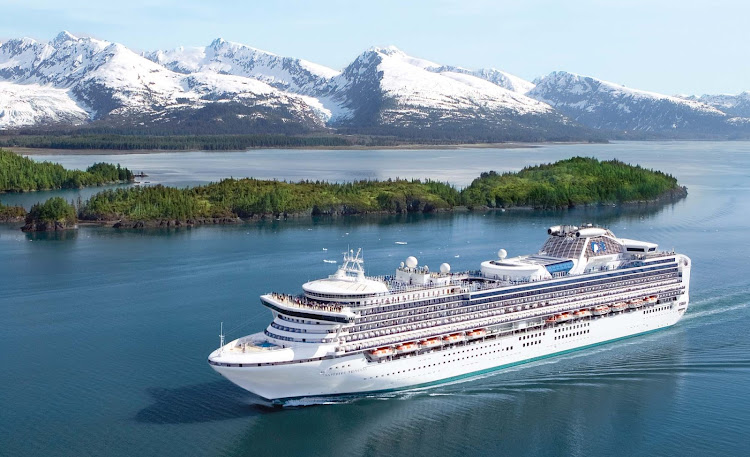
<point x="475" y="307"/>
<point x="425" y="318"/>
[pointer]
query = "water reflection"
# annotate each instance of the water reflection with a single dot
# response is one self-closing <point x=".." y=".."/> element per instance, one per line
<point x="569" y="405"/>
<point x="205" y="402"/>
<point x="56" y="235"/>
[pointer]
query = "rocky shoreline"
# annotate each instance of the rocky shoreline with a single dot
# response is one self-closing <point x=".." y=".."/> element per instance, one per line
<point x="48" y="226"/>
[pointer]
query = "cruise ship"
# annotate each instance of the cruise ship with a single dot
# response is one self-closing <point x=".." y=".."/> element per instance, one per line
<point x="351" y="334"/>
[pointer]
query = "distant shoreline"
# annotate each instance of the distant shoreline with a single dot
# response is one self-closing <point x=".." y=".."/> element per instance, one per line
<point x="53" y="151"/>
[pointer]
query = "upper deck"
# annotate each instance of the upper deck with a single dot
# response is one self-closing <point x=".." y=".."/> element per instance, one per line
<point x="569" y="251"/>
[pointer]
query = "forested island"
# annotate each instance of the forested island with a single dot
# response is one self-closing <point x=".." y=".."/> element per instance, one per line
<point x="563" y="184"/>
<point x="52" y="215"/>
<point x="11" y="213"/>
<point x="21" y="174"/>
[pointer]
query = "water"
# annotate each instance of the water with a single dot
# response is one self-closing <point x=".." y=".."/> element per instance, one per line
<point x="105" y="333"/>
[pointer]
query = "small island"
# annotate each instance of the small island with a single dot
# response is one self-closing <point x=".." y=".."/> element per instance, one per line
<point x="21" y="174"/>
<point x="565" y="184"/>
<point x="53" y="215"/>
<point x="12" y="213"/>
<point x="569" y="183"/>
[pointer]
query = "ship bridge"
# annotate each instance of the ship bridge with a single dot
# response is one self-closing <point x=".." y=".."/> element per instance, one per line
<point x="348" y="284"/>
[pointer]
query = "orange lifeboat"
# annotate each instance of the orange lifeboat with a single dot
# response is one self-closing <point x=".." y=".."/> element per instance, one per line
<point x="381" y="352"/>
<point x="619" y="306"/>
<point x="600" y="310"/>
<point x="454" y="338"/>
<point x="565" y="317"/>
<point x="651" y="300"/>
<point x="430" y="342"/>
<point x="553" y="319"/>
<point x="636" y="303"/>
<point x="478" y="333"/>
<point x="582" y="313"/>
<point x="406" y="347"/>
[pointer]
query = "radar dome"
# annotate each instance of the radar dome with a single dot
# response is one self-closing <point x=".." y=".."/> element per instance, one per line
<point x="502" y="253"/>
<point x="445" y="268"/>
<point x="411" y="261"/>
<point x="402" y="264"/>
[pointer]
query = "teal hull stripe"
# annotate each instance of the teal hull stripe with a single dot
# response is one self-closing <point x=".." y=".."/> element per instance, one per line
<point x="465" y="375"/>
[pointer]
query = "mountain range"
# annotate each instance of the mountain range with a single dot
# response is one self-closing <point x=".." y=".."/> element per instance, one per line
<point x="225" y="87"/>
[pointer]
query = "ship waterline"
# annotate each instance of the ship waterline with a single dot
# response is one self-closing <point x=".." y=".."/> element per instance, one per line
<point x="353" y="334"/>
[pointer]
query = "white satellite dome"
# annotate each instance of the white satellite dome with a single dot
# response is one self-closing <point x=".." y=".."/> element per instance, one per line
<point x="502" y="253"/>
<point x="445" y="268"/>
<point x="411" y="261"/>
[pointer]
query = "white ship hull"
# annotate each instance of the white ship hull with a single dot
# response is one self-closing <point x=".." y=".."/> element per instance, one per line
<point x="356" y="374"/>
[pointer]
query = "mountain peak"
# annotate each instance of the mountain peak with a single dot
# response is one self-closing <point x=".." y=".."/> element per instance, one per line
<point x="387" y="50"/>
<point x="63" y="37"/>
<point x="217" y="43"/>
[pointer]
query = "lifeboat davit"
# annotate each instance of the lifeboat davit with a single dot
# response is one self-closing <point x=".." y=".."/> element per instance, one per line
<point x="381" y="352"/>
<point x="454" y="338"/>
<point x="619" y="306"/>
<point x="582" y="313"/>
<point x="600" y="310"/>
<point x="636" y="303"/>
<point x="406" y="347"/>
<point x="478" y="333"/>
<point x="430" y="342"/>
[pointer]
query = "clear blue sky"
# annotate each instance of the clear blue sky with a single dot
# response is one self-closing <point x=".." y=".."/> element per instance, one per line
<point x="676" y="46"/>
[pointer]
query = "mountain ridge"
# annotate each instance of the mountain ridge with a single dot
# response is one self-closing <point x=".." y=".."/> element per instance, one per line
<point x="228" y="87"/>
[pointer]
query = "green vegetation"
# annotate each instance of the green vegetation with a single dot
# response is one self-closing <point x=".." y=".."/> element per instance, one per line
<point x="20" y="174"/>
<point x="253" y="197"/>
<point x="11" y="212"/>
<point x="55" y="209"/>
<point x="576" y="181"/>
<point x="566" y="183"/>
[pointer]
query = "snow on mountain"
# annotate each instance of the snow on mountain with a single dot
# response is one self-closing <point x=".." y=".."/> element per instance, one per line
<point x="605" y="105"/>
<point x="497" y="77"/>
<point x="284" y="73"/>
<point x="385" y="86"/>
<point x="32" y="104"/>
<point x="108" y="80"/>
<point x="231" y="87"/>
<point x="734" y="105"/>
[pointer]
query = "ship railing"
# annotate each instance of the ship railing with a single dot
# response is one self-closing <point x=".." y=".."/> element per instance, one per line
<point x="300" y="301"/>
<point x="438" y="331"/>
<point x="531" y="300"/>
<point x="544" y="310"/>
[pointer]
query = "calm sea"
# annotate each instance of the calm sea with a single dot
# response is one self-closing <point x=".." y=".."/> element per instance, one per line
<point x="104" y="334"/>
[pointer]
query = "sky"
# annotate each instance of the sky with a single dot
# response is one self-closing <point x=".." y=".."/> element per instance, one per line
<point x="671" y="46"/>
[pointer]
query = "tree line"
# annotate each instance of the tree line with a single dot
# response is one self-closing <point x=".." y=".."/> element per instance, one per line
<point x="21" y="174"/>
<point x="567" y="183"/>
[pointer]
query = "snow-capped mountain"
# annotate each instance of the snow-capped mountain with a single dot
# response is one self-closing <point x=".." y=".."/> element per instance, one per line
<point x="108" y="81"/>
<point x="229" y="87"/>
<point x="386" y="88"/>
<point x="734" y="105"/>
<point x="604" y="105"/>
<point x="224" y="57"/>
<point x="498" y="77"/>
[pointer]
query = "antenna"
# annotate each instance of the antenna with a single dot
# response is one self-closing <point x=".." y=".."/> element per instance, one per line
<point x="221" y="336"/>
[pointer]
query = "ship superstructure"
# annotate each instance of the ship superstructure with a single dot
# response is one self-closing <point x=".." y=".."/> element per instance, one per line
<point x="351" y="334"/>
